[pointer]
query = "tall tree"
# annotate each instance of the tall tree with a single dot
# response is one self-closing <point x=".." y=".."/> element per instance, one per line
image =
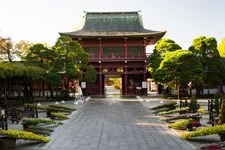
<point x="71" y="57"/>
<point x="221" y="48"/>
<point x="90" y="74"/>
<point x="22" y="48"/>
<point x="6" y="49"/>
<point x="65" y="58"/>
<point x="163" y="46"/>
<point x="166" y="45"/>
<point x="206" y="49"/>
<point x="43" y="57"/>
<point x="178" y="68"/>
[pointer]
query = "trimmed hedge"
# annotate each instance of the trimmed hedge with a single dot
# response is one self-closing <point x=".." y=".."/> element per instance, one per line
<point x="59" y="115"/>
<point x="54" y="109"/>
<point x="63" y="107"/>
<point x="19" y="134"/>
<point x="160" y="110"/>
<point x="182" y="116"/>
<point x="35" y="121"/>
<point x="202" y="111"/>
<point x="177" y="110"/>
<point x="180" y="124"/>
<point x="204" y="131"/>
<point x="169" y="104"/>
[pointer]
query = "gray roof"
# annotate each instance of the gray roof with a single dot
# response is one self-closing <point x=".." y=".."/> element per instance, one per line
<point x="113" y="24"/>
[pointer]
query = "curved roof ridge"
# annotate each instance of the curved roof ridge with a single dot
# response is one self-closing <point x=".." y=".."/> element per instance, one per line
<point x="111" y="12"/>
<point x="114" y="24"/>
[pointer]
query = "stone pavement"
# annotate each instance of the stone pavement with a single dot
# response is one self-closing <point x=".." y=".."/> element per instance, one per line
<point x="112" y="124"/>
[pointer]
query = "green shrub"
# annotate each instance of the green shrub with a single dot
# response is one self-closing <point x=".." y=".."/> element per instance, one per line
<point x="156" y="111"/>
<point x="180" y="124"/>
<point x="182" y="116"/>
<point x="202" y="111"/>
<point x="169" y="104"/>
<point x="56" y="109"/>
<point x="19" y="134"/>
<point x="63" y="107"/>
<point x="204" y="131"/>
<point x="35" y="121"/>
<point x="177" y="110"/>
<point x="193" y="105"/>
<point x="59" y="115"/>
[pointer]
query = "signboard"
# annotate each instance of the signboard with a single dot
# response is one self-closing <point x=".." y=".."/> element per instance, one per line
<point x="144" y="84"/>
<point x="83" y="85"/>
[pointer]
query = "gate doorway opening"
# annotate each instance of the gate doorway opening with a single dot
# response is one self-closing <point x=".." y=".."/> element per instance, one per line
<point x="113" y="85"/>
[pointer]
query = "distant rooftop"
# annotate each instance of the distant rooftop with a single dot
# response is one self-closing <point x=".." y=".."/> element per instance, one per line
<point x="113" y="24"/>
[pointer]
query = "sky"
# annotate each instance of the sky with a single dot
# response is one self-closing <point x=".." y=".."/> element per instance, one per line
<point x="42" y="20"/>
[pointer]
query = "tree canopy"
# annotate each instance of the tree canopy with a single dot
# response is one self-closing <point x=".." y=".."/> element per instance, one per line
<point x="206" y="49"/>
<point x="162" y="47"/>
<point x="10" y="70"/>
<point x="22" y="48"/>
<point x="165" y="45"/>
<point x="40" y="56"/>
<point x="6" y="49"/>
<point x="71" y="55"/>
<point x="66" y="57"/>
<point x="180" y="67"/>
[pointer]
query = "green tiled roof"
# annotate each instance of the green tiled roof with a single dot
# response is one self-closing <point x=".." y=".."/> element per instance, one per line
<point x="126" y="21"/>
<point x="108" y="24"/>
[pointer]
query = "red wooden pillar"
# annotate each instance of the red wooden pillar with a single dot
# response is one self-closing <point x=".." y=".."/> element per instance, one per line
<point x="100" y="78"/>
<point x="125" y="48"/>
<point x="145" y="43"/>
<point x="100" y="48"/>
<point x="125" y="66"/>
<point x="145" y="72"/>
<point x="100" y="66"/>
<point x="125" y="79"/>
<point x="145" y="79"/>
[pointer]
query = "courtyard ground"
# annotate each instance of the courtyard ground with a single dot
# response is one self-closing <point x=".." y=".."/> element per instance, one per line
<point x="116" y="124"/>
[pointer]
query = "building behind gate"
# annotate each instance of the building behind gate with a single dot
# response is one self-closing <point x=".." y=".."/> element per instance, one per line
<point x="116" y="43"/>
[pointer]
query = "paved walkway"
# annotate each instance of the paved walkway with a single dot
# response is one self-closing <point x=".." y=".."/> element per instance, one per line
<point x="112" y="124"/>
